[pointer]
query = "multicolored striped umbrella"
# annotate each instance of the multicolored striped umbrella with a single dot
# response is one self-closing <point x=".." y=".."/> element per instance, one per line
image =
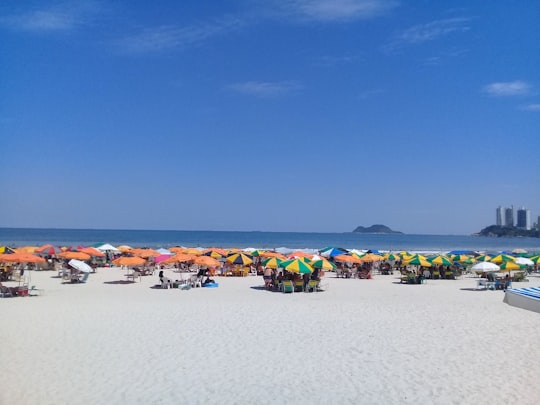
<point x="323" y="264"/>
<point x="441" y="259"/>
<point x="240" y="258"/>
<point x="297" y="266"/>
<point x="418" y="260"/>
<point x="273" y="262"/>
<point x="502" y="258"/>
<point x="483" y="258"/>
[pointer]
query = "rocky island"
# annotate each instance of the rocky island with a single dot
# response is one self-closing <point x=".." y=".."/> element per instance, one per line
<point x="498" y="231"/>
<point x="374" y="229"/>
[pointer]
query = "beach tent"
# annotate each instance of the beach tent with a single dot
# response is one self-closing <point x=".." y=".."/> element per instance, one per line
<point x="108" y="248"/>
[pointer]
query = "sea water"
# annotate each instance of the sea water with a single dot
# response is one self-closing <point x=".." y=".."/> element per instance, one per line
<point x="261" y="240"/>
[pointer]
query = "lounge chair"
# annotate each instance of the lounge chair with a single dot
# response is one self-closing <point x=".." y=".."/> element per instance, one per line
<point x="6" y="292"/>
<point x="313" y="286"/>
<point x="133" y="275"/>
<point x="287" y="286"/>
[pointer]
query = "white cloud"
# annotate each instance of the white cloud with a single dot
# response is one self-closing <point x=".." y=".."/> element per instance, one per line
<point x="176" y="37"/>
<point x="57" y="18"/>
<point x="428" y="32"/>
<point x="331" y="10"/>
<point x="434" y="30"/>
<point x="532" y="107"/>
<point x="263" y="89"/>
<point x="515" y="88"/>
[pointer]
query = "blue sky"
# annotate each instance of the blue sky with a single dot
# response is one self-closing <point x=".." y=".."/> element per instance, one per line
<point x="303" y="115"/>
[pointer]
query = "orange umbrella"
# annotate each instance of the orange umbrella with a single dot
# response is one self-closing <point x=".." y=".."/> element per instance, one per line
<point x="179" y="258"/>
<point x="48" y="249"/>
<point x="192" y="251"/>
<point x="272" y="254"/>
<point x="124" y="248"/>
<point x="20" y="258"/>
<point x="26" y="249"/>
<point x="145" y="253"/>
<point x="74" y="255"/>
<point x="92" y="251"/>
<point x="129" y="261"/>
<point x="347" y="259"/>
<point x="299" y="253"/>
<point x="206" y="261"/>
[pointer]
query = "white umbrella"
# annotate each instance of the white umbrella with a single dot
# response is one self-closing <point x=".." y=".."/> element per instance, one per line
<point x="108" y="247"/>
<point x="525" y="261"/>
<point x="485" y="266"/>
<point x="81" y="266"/>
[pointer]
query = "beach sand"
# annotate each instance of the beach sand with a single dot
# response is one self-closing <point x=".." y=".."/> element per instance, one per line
<point x="359" y="342"/>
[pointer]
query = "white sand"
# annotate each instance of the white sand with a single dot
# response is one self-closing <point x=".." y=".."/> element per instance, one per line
<point x="361" y="342"/>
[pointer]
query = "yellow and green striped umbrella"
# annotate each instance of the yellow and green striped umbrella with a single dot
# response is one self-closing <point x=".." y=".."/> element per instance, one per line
<point x="297" y="266"/>
<point x="418" y="260"/>
<point x="502" y="258"/>
<point x="509" y="266"/>
<point x="441" y="259"/>
<point x="483" y="258"/>
<point x="273" y="262"/>
<point x="323" y="264"/>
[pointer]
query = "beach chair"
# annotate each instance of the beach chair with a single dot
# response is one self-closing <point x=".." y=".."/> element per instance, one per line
<point x="33" y="291"/>
<point x="6" y="292"/>
<point x="436" y="274"/>
<point x="298" y="285"/>
<point x="313" y="286"/>
<point x="133" y="275"/>
<point x="449" y="275"/>
<point x="287" y="286"/>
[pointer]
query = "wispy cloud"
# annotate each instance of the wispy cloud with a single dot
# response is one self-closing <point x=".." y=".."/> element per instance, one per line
<point x="168" y="37"/>
<point x="264" y="89"/>
<point x="531" y="107"/>
<point x="63" y="17"/>
<point x="500" y="89"/>
<point x="431" y="31"/>
<point x="330" y="10"/>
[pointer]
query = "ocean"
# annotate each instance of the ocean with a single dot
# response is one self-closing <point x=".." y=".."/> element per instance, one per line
<point x="261" y="240"/>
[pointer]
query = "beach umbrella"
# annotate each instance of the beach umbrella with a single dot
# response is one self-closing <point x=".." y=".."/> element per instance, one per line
<point x="524" y="261"/>
<point x="536" y="259"/>
<point x="124" y="248"/>
<point x="299" y="254"/>
<point x="192" y="251"/>
<point x="331" y="251"/>
<point x="322" y="264"/>
<point x="80" y="266"/>
<point x="418" y="260"/>
<point x="92" y="251"/>
<point x="161" y="258"/>
<point x="391" y="256"/>
<point x="163" y="251"/>
<point x="107" y="247"/>
<point x="441" y="259"/>
<point x="483" y="267"/>
<point x="502" y="258"/>
<point x="460" y="258"/>
<point x="272" y="254"/>
<point x="206" y="261"/>
<point x="371" y="257"/>
<point x="297" y="266"/>
<point x="240" y="258"/>
<point x="145" y="253"/>
<point x="215" y="253"/>
<point x="519" y="251"/>
<point x="347" y="259"/>
<point x="273" y="262"/>
<point x="20" y="258"/>
<point x="483" y="258"/>
<point x="74" y="255"/>
<point x="129" y="261"/>
<point x="509" y="266"/>
<point x="179" y="258"/>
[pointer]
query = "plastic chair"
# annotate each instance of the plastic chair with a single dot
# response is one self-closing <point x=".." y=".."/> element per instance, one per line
<point x="287" y="286"/>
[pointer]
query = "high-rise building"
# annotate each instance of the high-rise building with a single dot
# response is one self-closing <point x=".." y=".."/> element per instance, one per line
<point x="524" y="218"/>
<point x="499" y="217"/>
<point x="509" y="216"/>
